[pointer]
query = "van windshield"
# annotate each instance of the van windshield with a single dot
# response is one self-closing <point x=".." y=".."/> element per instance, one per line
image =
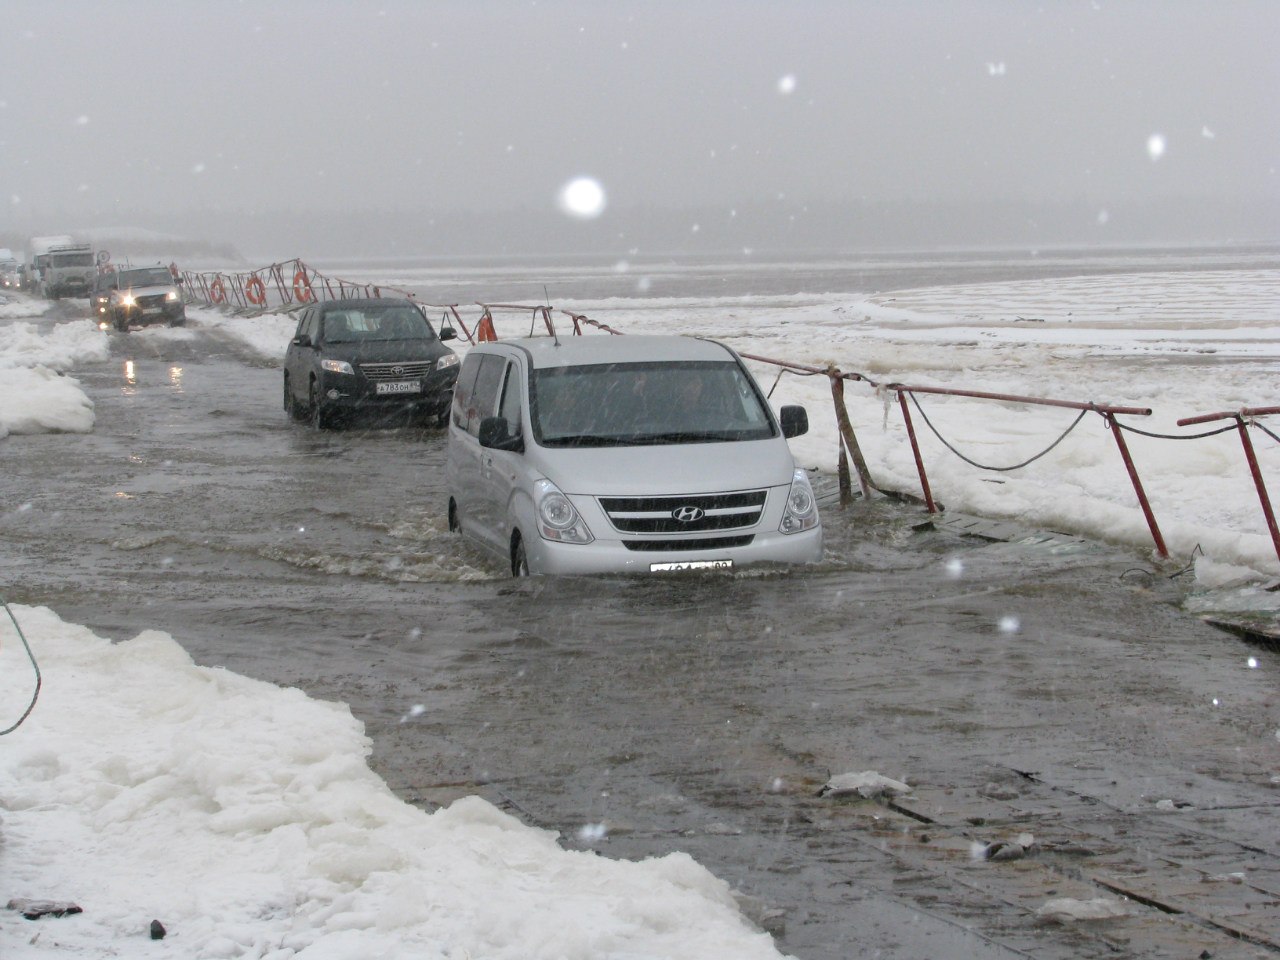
<point x="642" y="404"/>
<point x="71" y="260"/>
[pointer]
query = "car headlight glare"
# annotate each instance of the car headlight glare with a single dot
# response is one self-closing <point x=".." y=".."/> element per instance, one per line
<point x="336" y="366"/>
<point x="558" y="518"/>
<point x="801" y="512"/>
<point x="447" y="361"/>
<point x="127" y="300"/>
<point x="171" y="295"/>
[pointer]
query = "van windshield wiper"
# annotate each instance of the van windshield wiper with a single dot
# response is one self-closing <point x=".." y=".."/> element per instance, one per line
<point x="687" y="436"/>
<point x="586" y="440"/>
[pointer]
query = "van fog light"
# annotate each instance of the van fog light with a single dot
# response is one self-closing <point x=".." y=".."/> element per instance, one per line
<point x="802" y="509"/>
<point x="557" y="517"/>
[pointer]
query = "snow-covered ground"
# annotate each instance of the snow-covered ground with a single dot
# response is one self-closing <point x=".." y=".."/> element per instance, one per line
<point x="140" y="770"/>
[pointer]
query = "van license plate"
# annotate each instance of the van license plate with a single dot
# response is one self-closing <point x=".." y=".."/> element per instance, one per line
<point x="691" y="565"/>
<point x="398" y="386"/>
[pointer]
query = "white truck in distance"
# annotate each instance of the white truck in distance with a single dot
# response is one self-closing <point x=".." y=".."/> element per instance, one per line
<point x="61" y="266"/>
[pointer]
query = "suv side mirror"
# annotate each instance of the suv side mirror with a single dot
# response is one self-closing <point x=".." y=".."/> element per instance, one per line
<point x="448" y="333"/>
<point x="795" y="421"/>
<point x="493" y="434"/>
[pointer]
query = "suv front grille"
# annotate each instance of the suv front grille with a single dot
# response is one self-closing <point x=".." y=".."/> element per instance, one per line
<point x="151" y="300"/>
<point x="409" y="370"/>
<point x="688" y="514"/>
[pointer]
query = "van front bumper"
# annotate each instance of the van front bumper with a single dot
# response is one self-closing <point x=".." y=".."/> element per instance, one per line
<point x="613" y="556"/>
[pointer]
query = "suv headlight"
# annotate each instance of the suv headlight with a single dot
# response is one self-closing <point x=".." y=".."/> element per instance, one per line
<point x="447" y="361"/>
<point x="802" y="508"/>
<point x="558" y="518"/>
<point x="126" y="300"/>
<point x="336" y="366"/>
<point x="171" y="295"/>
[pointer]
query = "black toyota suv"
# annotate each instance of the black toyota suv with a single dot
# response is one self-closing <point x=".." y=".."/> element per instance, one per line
<point x="367" y="355"/>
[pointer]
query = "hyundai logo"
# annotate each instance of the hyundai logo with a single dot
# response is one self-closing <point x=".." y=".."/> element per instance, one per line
<point x="688" y="514"/>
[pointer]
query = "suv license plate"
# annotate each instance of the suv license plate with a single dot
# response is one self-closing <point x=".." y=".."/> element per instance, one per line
<point x="398" y="386"/>
<point x="691" y="565"/>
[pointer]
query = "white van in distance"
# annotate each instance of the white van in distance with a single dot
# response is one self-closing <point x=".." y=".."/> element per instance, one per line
<point x="621" y="454"/>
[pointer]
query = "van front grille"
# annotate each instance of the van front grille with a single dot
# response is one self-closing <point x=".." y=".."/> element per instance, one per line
<point x="690" y="546"/>
<point x="695" y="513"/>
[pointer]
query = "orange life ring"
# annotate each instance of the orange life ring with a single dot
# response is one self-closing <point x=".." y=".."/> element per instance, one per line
<point x="217" y="292"/>
<point x="255" y="291"/>
<point x="302" y="287"/>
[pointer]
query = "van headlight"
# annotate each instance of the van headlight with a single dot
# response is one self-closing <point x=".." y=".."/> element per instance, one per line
<point x="558" y="518"/>
<point x="802" y="508"/>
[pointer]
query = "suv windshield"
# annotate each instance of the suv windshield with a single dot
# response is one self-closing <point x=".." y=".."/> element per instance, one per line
<point x="151" y="277"/>
<point x="639" y="404"/>
<point x="373" y="322"/>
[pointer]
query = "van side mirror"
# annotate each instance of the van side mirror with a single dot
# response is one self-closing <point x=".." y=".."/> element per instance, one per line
<point x="448" y="333"/>
<point x="493" y="434"/>
<point x="795" y="421"/>
<point x="302" y="340"/>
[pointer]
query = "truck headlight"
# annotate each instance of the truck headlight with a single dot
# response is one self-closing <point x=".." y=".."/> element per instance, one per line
<point x="336" y="366"/>
<point x="557" y="517"/>
<point x="802" y="508"/>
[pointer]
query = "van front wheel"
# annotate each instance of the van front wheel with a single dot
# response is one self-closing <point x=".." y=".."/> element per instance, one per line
<point x="519" y="559"/>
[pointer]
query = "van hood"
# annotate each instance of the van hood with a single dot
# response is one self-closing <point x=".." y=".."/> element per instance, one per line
<point x="667" y="469"/>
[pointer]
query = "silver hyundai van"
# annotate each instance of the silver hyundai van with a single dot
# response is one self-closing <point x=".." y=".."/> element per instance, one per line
<point x="618" y="454"/>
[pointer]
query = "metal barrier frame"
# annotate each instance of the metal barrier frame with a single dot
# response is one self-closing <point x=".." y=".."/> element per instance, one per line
<point x="1243" y="418"/>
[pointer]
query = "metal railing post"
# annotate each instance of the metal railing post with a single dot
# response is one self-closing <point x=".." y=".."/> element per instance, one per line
<point x="1259" y="484"/>
<point x="915" y="450"/>
<point x="1161" y="549"/>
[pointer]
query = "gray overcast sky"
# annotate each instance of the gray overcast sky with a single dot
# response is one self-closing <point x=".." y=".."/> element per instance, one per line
<point x="112" y="108"/>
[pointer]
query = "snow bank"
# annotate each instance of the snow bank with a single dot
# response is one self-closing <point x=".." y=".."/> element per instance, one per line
<point x="34" y="397"/>
<point x="244" y="818"/>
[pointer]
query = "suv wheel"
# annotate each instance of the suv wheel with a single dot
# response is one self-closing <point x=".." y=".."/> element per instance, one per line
<point x="292" y="407"/>
<point x="321" y="416"/>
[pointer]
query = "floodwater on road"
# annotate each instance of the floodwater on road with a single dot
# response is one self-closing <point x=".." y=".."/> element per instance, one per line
<point x="1023" y="685"/>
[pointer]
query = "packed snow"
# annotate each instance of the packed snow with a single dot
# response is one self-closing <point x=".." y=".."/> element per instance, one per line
<point x="140" y="770"/>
